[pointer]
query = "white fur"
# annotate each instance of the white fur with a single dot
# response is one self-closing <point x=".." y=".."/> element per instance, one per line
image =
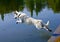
<point x="29" y="20"/>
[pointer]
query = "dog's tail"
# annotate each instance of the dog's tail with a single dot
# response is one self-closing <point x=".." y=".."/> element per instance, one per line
<point x="47" y="23"/>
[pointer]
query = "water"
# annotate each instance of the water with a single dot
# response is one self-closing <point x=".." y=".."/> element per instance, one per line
<point x="12" y="32"/>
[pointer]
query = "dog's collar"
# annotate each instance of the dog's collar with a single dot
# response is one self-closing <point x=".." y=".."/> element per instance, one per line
<point x="19" y="15"/>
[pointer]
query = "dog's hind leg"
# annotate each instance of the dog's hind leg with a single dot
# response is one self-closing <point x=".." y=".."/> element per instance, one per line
<point x="46" y="28"/>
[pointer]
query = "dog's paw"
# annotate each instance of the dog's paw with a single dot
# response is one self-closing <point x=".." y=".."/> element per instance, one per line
<point x="50" y="30"/>
<point x="16" y="22"/>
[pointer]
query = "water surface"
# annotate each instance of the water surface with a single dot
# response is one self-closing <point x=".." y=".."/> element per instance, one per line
<point x="44" y="10"/>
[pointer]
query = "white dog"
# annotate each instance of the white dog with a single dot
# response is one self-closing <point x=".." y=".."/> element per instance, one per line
<point x="23" y="18"/>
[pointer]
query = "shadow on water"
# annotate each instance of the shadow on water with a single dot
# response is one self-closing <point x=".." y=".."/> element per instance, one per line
<point x="7" y="6"/>
<point x="43" y="35"/>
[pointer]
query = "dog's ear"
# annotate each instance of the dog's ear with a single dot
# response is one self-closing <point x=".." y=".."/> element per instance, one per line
<point x="15" y="12"/>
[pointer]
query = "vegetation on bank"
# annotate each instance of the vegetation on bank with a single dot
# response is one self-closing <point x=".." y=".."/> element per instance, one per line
<point x="7" y="6"/>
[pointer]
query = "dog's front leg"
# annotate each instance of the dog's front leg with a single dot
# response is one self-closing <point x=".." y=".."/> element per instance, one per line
<point x="19" y="21"/>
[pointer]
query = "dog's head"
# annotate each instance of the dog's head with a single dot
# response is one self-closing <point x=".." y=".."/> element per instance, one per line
<point x="19" y="15"/>
<point x="16" y="14"/>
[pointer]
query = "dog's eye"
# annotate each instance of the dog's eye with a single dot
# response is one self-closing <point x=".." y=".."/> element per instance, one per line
<point x="16" y="13"/>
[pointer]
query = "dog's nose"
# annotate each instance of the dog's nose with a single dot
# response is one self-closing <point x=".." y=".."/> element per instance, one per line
<point x="15" y="17"/>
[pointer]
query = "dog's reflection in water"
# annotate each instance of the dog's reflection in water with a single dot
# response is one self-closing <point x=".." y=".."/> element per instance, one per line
<point x="23" y="18"/>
